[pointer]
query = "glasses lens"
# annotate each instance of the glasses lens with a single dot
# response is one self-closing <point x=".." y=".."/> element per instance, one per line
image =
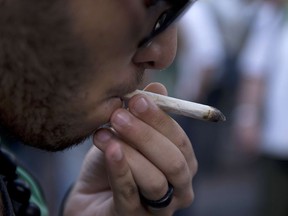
<point x="168" y="17"/>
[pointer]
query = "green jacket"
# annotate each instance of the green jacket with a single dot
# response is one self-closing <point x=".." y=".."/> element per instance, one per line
<point x="18" y="188"/>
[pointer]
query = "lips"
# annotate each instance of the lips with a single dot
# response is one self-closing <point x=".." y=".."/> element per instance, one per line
<point x="122" y="90"/>
<point x="119" y="100"/>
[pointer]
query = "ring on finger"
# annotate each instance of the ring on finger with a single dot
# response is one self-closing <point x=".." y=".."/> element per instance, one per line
<point x="160" y="203"/>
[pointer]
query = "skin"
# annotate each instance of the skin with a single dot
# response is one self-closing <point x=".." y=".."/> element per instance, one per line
<point x="135" y="142"/>
<point x="52" y="105"/>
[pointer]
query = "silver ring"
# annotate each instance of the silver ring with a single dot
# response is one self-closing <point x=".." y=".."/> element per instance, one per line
<point x="161" y="203"/>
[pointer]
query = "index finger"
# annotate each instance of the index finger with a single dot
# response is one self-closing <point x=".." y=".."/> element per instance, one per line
<point x="143" y="108"/>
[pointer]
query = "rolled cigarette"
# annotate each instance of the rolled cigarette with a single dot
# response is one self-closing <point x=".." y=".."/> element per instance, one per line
<point x="182" y="107"/>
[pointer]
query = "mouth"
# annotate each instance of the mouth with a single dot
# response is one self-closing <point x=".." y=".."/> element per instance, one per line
<point x="115" y="99"/>
<point x="129" y="85"/>
<point x="121" y="98"/>
<point x="119" y="92"/>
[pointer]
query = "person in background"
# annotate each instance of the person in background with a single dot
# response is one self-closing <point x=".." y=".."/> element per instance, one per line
<point x="65" y="67"/>
<point x="200" y="54"/>
<point x="260" y="122"/>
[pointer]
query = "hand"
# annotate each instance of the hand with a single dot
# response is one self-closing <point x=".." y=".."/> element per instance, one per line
<point x="148" y="150"/>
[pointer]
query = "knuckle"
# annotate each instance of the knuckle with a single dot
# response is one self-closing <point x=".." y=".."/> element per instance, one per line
<point x="159" y="121"/>
<point x="186" y="198"/>
<point x="159" y="118"/>
<point x="178" y="167"/>
<point x="182" y="141"/>
<point x="194" y="167"/>
<point x="129" y="191"/>
<point x="144" y="135"/>
<point x="158" y="190"/>
<point x="189" y="198"/>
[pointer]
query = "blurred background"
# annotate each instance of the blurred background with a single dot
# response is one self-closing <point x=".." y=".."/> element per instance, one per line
<point x="232" y="55"/>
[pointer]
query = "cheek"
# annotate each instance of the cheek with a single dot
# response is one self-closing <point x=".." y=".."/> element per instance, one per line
<point x="97" y="106"/>
<point x="106" y="31"/>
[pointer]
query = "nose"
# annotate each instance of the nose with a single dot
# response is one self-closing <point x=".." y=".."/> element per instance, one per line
<point x="160" y="53"/>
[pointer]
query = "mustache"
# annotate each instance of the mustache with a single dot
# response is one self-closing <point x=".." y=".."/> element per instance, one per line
<point x="129" y="86"/>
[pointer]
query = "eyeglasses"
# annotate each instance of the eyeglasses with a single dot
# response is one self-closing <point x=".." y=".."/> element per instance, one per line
<point x="178" y="7"/>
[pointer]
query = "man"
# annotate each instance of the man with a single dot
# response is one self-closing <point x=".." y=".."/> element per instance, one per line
<point x="65" y="66"/>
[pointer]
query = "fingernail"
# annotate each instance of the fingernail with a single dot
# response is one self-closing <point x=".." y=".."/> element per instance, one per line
<point x="140" y="105"/>
<point x="102" y="136"/>
<point x="121" y="118"/>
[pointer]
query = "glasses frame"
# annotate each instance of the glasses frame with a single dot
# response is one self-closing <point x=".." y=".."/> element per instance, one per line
<point x="179" y="7"/>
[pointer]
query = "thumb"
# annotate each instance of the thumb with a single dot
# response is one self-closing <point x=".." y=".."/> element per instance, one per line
<point x="156" y="88"/>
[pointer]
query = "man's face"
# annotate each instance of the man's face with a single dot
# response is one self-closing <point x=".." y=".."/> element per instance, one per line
<point x="74" y="104"/>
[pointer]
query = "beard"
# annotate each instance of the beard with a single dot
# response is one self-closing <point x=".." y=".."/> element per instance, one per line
<point x="42" y="66"/>
<point x="43" y="114"/>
